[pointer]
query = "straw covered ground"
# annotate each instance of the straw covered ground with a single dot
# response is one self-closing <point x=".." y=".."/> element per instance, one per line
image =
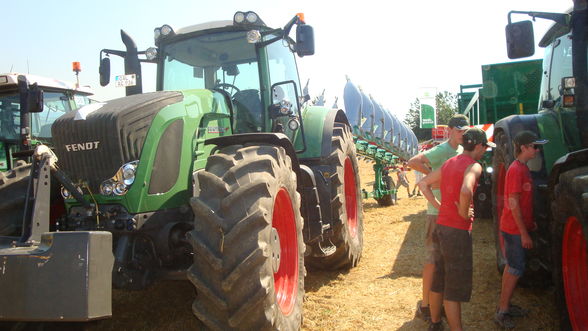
<point x="379" y="294"/>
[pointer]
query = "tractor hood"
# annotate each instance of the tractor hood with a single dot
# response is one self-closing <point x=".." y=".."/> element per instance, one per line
<point x="93" y="142"/>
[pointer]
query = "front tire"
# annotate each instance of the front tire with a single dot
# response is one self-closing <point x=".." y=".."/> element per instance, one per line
<point x="248" y="249"/>
<point x="570" y="252"/>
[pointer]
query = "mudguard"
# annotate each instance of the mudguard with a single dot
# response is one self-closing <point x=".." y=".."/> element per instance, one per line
<point x="318" y="130"/>
<point x="67" y="277"/>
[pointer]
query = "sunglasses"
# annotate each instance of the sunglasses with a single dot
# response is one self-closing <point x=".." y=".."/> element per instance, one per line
<point x="534" y="146"/>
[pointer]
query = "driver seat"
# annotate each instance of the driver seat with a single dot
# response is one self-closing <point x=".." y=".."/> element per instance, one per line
<point x="247" y="111"/>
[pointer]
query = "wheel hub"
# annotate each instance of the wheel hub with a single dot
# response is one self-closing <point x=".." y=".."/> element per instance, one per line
<point x="276" y="250"/>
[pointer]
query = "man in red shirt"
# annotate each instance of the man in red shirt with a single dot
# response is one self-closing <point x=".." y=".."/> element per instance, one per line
<point x="452" y="279"/>
<point x="516" y="222"/>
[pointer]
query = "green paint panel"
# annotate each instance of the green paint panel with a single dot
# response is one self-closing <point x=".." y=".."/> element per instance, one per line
<point x="549" y="128"/>
<point x="313" y="119"/>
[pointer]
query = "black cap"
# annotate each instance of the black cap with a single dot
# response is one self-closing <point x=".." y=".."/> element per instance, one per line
<point x="474" y="136"/>
<point x="527" y="137"/>
<point x="459" y="122"/>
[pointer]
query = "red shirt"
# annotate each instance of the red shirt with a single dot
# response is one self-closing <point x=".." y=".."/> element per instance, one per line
<point x="452" y="173"/>
<point x="518" y="180"/>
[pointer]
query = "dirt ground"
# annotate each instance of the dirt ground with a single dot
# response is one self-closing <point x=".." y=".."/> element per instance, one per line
<point x="379" y="294"/>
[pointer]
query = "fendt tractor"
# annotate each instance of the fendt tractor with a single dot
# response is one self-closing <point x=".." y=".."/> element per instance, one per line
<point x="29" y="104"/>
<point x="560" y="172"/>
<point x="223" y="176"/>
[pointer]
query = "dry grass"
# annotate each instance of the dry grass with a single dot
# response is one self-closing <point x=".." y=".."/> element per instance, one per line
<point x="379" y="294"/>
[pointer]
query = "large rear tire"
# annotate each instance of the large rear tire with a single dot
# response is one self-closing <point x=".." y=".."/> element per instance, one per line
<point x="570" y="252"/>
<point x="248" y="247"/>
<point x="13" y="190"/>
<point x="346" y="205"/>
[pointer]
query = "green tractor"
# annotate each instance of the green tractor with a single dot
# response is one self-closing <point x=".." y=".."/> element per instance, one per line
<point x="29" y="105"/>
<point x="225" y="176"/>
<point x="560" y="172"/>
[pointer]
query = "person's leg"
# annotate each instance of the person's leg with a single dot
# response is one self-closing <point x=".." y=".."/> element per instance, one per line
<point x="438" y="278"/>
<point x="515" y="258"/>
<point x="453" y="312"/>
<point x="435" y="303"/>
<point x="509" y="283"/>
<point x="429" y="267"/>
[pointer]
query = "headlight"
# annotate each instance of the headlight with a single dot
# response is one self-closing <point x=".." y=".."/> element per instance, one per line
<point x="151" y="53"/>
<point x="120" y="183"/>
<point x="489" y="170"/>
<point x="166" y="30"/>
<point x="156" y="34"/>
<point x="239" y="17"/>
<point x="65" y="193"/>
<point x="128" y="173"/>
<point x="107" y="187"/>
<point x="251" y="17"/>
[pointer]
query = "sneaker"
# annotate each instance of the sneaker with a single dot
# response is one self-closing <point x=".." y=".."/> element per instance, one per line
<point x="436" y="326"/>
<point x="423" y="313"/>
<point x="504" y="320"/>
<point x="517" y="311"/>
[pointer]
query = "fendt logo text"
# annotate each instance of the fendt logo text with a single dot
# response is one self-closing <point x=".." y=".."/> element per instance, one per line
<point x="87" y="146"/>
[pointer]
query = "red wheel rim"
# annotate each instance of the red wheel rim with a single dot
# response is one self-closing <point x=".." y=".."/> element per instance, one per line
<point x="286" y="277"/>
<point x="350" y="198"/>
<point x="575" y="273"/>
<point x="501" y="176"/>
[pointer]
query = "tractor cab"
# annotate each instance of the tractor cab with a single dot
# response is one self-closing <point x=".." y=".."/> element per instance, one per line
<point x="249" y="64"/>
<point x="37" y="100"/>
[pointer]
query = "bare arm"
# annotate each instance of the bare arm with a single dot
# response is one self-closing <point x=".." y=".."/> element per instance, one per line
<point x="466" y="193"/>
<point x="425" y="185"/>
<point x="515" y="208"/>
<point x="420" y="163"/>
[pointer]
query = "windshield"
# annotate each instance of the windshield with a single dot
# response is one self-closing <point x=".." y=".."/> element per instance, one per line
<point x="211" y="61"/>
<point x="55" y="104"/>
<point x="224" y="61"/>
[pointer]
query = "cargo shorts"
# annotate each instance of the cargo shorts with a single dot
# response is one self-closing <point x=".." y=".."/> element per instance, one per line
<point x="453" y="263"/>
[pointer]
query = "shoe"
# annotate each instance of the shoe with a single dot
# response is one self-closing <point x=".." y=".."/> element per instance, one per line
<point x="517" y="311"/>
<point x="423" y="313"/>
<point x="504" y="320"/>
<point x="436" y="326"/>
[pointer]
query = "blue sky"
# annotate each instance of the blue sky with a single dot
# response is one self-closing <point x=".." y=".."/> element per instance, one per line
<point x="390" y="48"/>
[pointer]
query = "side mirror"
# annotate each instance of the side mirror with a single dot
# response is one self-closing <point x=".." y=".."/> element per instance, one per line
<point x="31" y="96"/>
<point x="35" y="99"/>
<point x="304" y="40"/>
<point x="104" y="71"/>
<point x="520" y="40"/>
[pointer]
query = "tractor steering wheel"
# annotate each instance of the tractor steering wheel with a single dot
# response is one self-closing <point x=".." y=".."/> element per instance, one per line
<point x="226" y="87"/>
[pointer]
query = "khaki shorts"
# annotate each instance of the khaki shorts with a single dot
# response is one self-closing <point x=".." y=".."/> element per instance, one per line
<point x="429" y="246"/>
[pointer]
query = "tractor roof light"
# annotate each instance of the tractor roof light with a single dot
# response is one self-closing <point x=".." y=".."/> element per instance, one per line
<point x="166" y="30"/>
<point x="247" y="18"/>
<point x="156" y="34"/>
<point x="239" y="17"/>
